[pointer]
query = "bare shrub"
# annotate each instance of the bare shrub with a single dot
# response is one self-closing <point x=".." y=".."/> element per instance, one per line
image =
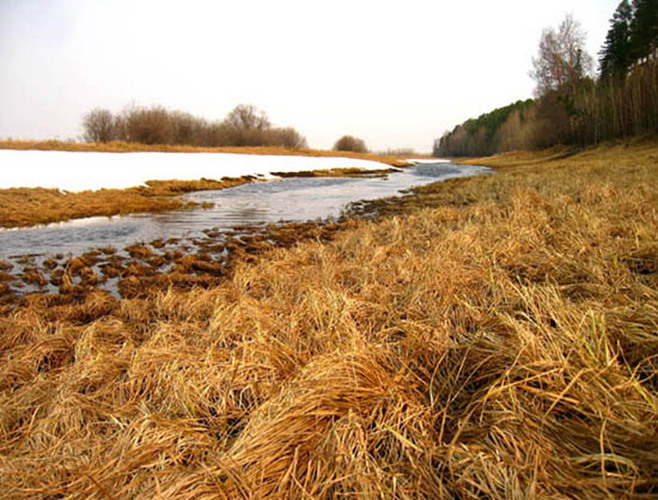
<point x="215" y="134"/>
<point x="350" y="143"/>
<point x="98" y="126"/>
<point x="149" y="125"/>
<point x="186" y="128"/>
<point x="247" y="117"/>
<point x="287" y="137"/>
<point x="245" y="125"/>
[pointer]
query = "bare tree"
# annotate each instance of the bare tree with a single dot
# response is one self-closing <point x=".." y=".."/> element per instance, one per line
<point x="287" y="137"/>
<point x="186" y="128"/>
<point x="248" y="117"/>
<point x="148" y="125"/>
<point x="245" y="125"/>
<point x="562" y="60"/>
<point x="98" y="126"/>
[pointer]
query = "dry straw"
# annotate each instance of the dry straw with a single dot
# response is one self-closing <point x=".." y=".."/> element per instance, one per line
<point x="495" y="337"/>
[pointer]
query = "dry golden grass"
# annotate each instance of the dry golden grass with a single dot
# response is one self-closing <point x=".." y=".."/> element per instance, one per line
<point x="21" y="207"/>
<point x="339" y="172"/>
<point x="500" y="344"/>
<point x="642" y="149"/>
<point x="132" y="147"/>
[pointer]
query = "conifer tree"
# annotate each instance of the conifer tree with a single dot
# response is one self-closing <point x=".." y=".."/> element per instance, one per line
<point x="644" y="29"/>
<point x="615" y="56"/>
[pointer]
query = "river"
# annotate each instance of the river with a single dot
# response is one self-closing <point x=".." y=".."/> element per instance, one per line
<point x="291" y="199"/>
<point x="130" y="255"/>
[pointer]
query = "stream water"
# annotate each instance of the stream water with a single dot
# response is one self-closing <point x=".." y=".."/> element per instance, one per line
<point x="291" y="199"/>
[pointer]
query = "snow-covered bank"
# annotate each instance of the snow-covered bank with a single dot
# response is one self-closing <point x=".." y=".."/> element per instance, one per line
<point x="78" y="171"/>
<point x="420" y="161"/>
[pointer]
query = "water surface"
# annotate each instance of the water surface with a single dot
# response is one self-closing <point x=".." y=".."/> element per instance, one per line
<point x="292" y="199"/>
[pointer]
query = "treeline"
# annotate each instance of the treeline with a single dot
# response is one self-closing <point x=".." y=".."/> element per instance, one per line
<point x="572" y="106"/>
<point x="486" y="134"/>
<point x="245" y="125"/>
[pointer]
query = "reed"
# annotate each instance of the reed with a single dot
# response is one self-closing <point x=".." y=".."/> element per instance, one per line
<point x="489" y="337"/>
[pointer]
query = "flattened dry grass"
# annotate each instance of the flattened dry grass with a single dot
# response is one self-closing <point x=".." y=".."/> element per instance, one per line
<point x="20" y="207"/>
<point x="339" y="172"/>
<point x="636" y="151"/>
<point x="499" y="344"/>
<point x="132" y="147"/>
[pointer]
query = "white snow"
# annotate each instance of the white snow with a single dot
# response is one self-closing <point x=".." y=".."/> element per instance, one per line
<point x="79" y="171"/>
<point x="417" y="161"/>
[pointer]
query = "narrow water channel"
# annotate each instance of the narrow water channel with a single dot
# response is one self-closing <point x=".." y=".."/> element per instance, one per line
<point x="291" y="199"/>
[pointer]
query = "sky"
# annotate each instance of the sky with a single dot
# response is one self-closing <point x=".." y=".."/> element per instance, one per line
<point x="396" y="74"/>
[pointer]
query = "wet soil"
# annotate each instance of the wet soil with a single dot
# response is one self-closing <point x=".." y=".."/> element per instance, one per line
<point x="200" y="260"/>
<point x="144" y="268"/>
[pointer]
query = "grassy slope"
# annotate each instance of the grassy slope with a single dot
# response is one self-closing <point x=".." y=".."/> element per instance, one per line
<point x="493" y="337"/>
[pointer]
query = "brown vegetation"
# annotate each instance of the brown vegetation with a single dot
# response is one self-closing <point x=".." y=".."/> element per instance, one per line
<point x="245" y="125"/>
<point x="641" y="152"/>
<point x="339" y="172"/>
<point x="572" y="107"/>
<point x="396" y="160"/>
<point x="350" y="143"/>
<point x="20" y="207"/>
<point x="499" y="344"/>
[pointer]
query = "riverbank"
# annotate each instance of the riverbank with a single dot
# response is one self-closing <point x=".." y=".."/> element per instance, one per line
<point x="24" y="207"/>
<point x="133" y="147"/>
<point x="53" y="185"/>
<point x="491" y="336"/>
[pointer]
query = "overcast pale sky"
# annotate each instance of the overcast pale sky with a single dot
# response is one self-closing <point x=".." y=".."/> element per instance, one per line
<point x="397" y="74"/>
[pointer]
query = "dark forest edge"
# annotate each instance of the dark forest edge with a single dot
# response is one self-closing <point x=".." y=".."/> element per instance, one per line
<point x="571" y="106"/>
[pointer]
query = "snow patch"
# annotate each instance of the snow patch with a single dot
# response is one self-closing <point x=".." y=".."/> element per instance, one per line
<point x="420" y="161"/>
<point x="80" y="171"/>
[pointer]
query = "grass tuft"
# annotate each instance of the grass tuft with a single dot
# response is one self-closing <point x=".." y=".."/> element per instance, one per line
<point x="490" y="337"/>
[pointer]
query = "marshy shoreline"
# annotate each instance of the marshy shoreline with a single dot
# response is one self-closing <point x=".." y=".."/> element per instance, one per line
<point x="27" y="207"/>
<point x="33" y="200"/>
<point x="490" y="336"/>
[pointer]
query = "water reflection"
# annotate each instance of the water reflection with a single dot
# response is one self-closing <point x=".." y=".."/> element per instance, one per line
<point x="292" y="199"/>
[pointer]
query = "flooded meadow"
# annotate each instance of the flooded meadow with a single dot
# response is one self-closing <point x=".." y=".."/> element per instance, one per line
<point x="130" y="255"/>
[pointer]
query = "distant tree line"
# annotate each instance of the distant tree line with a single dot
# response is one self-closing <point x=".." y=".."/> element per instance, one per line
<point x="485" y="135"/>
<point x="572" y="105"/>
<point x="245" y="125"/>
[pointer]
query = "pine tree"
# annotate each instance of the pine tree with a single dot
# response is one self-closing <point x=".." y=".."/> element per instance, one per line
<point x="615" y="56"/>
<point x="644" y="29"/>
